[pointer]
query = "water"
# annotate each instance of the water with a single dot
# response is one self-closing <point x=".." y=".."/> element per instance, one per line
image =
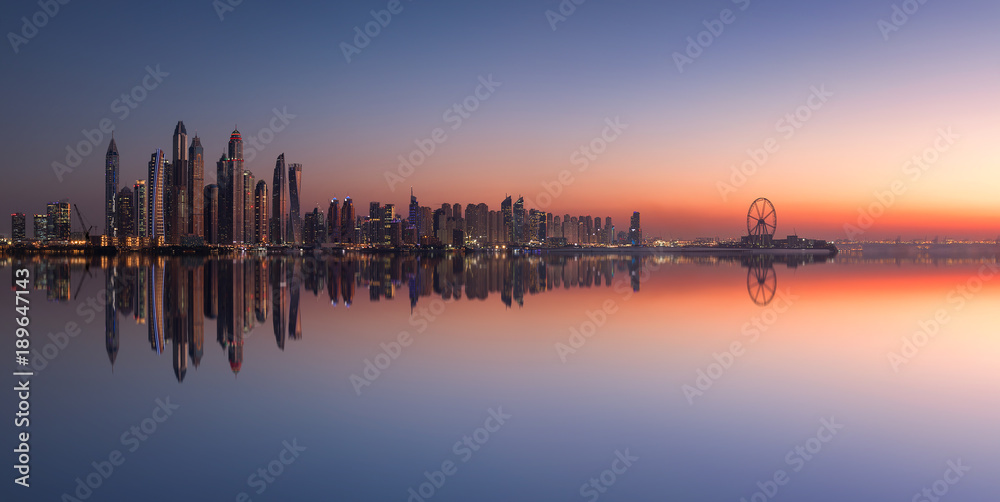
<point x="511" y="378"/>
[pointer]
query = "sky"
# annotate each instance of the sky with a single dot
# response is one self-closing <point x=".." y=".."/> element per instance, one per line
<point x="822" y="104"/>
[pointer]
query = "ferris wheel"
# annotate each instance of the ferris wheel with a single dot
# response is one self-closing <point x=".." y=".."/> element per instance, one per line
<point x="761" y="221"/>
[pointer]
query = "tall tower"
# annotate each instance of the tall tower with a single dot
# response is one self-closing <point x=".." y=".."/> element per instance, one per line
<point x="333" y="221"/>
<point x="111" y="189"/>
<point x="347" y="233"/>
<point x="196" y="185"/>
<point x="179" y="194"/>
<point x="279" y="203"/>
<point x="249" y="226"/>
<point x="224" y="216"/>
<point x="236" y="187"/>
<point x="413" y="225"/>
<point x="126" y="213"/>
<point x="519" y="231"/>
<point x="141" y="195"/>
<point x="156" y="187"/>
<point x="635" y="230"/>
<point x="507" y="233"/>
<point x="294" y="191"/>
<point x="17" y="227"/>
<point x="260" y="204"/>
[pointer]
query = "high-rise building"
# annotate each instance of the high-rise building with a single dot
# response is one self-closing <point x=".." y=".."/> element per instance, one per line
<point x="294" y="193"/>
<point x="126" y="213"/>
<point x="347" y="230"/>
<point x="333" y="221"/>
<point x="196" y="187"/>
<point x="279" y="203"/>
<point x="376" y="231"/>
<point x="17" y="227"/>
<point x="520" y="236"/>
<point x="635" y="230"/>
<point x="235" y="190"/>
<point x="141" y="196"/>
<point x="388" y="216"/>
<point x="156" y="186"/>
<point x="249" y="225"/>
<point x="610" y="230"/>
<point x="413" y="224"/>
<point x="58" y="221"/>
<point x="110" y="188"/>
<point x="41" y="222"/>
<point x="506" y="209"/>
<point x="260" y="213"/>
<point x="211" y="214"/>
<point x="180" y="203"/>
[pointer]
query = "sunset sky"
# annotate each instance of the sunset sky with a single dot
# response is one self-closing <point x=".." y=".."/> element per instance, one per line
<point x="931" y="88"/>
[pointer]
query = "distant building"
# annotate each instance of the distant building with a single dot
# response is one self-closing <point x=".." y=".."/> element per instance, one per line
<point x="261" y="217"/>
<point x="156" y="186"/>
<point x="348" y="233"/>
<point x="179" y="199"/>
<point x="635" y="230"/>
<point x="196" y="187"/>
<point x="333" y="221"/>
<point x="41" y="223"/>
<point x="111" y="189"/>
<point x="58" y="221"/>
<point x="294" y="193"/>
<point x="125" y="204"/>
<point x="279" y="203"/>
<point x="17" y="223"/>
<point x="139" y="193"/>
<point x="211" y="214"/>
<point x="249" y="224"/>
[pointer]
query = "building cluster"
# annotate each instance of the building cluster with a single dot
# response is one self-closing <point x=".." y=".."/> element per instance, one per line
<point x="173" y="206"/>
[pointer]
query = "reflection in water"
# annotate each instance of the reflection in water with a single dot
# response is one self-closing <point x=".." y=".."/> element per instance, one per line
<point x="173" y="296"/>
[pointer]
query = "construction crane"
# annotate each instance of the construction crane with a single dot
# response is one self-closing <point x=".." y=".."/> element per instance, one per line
<point x="83" y="223"/>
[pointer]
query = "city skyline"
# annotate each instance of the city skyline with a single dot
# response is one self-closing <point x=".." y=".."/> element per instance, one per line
<point x="862" y="102"/>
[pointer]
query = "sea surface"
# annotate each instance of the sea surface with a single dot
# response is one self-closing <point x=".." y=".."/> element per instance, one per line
<point x="537" y="377"/>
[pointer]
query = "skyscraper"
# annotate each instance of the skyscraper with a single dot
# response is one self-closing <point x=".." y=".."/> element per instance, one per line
<point x="196" y="185"/>
<point x="156" y="187"/>
<point x="347" y="233"/>
<point x="41" y="223"/>
<point x="110" y="188"/>
<point x="520" y="233"/>
<point x="294" y="191"/>
<point x="260" y="213"/>
<point x="635" y="230"/>
<point x="413" y="225"/>
<point x="333" y="221"/>
<point x="211" y="214"/>
<point x="224" y="220"/>
<point x="178" y="212"/>
<point x="249" y="225"/>
<point x="235" y="190"/>
<point x="17" y="227"/>
<point x="141" y="196"/>
<point x="126" y="213"/>
<point x="279" y="203"/>
<point x="375" y="230"/>
<point x="508" y="220"/>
